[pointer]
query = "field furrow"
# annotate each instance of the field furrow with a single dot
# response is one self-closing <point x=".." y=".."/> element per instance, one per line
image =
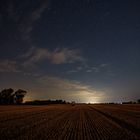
<point x="66" y="122"/>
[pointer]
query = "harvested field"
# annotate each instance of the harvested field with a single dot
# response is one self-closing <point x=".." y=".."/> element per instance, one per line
<point x="67" y="122"/>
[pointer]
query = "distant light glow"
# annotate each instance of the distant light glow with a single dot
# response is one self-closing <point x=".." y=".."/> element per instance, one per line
<point x="89" y="96"/>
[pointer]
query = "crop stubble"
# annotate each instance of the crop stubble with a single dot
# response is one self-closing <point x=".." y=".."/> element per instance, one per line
<point x="66" y="122"/>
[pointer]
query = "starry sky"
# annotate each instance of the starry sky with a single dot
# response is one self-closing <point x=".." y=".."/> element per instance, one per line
<point x="76" y="50"/>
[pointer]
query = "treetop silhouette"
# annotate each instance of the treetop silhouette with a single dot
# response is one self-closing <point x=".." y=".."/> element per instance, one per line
<point x="8" y="96"/>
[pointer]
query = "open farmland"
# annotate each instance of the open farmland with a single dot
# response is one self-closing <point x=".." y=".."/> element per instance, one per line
<point x="67" y="122"/>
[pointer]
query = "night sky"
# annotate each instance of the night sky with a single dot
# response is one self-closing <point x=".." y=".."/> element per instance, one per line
<point x="81" y="50"/>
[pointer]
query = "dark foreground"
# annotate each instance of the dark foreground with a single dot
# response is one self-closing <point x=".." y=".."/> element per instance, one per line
<point x="67" y="122"/>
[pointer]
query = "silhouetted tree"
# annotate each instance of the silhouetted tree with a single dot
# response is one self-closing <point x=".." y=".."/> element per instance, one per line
<point x="19" y="95"/>
<point x="7" y="96"/>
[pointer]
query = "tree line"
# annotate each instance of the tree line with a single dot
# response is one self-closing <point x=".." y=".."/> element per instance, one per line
<point x="8" y="96"/>
<point x="45" y="102"/>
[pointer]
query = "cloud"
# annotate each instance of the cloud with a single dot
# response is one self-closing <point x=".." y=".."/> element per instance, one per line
<point x="66" y="55"/>
<point x="96" y="69"/>
<point x="60" y="83"/>
<point x="71" y="71"/>
<point x="84" y="68"/>
<point x="27" y="25"/>
<point x="70" y="89"/>
<point x="103" y="65"/>
<point x="23" y="16"/>
<point x="8" y="66"/>
<point x="58" y="56"/>
<point x="34" y="56"/>
<point x="91" y="69"/>
<point x="79" y="68"/>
